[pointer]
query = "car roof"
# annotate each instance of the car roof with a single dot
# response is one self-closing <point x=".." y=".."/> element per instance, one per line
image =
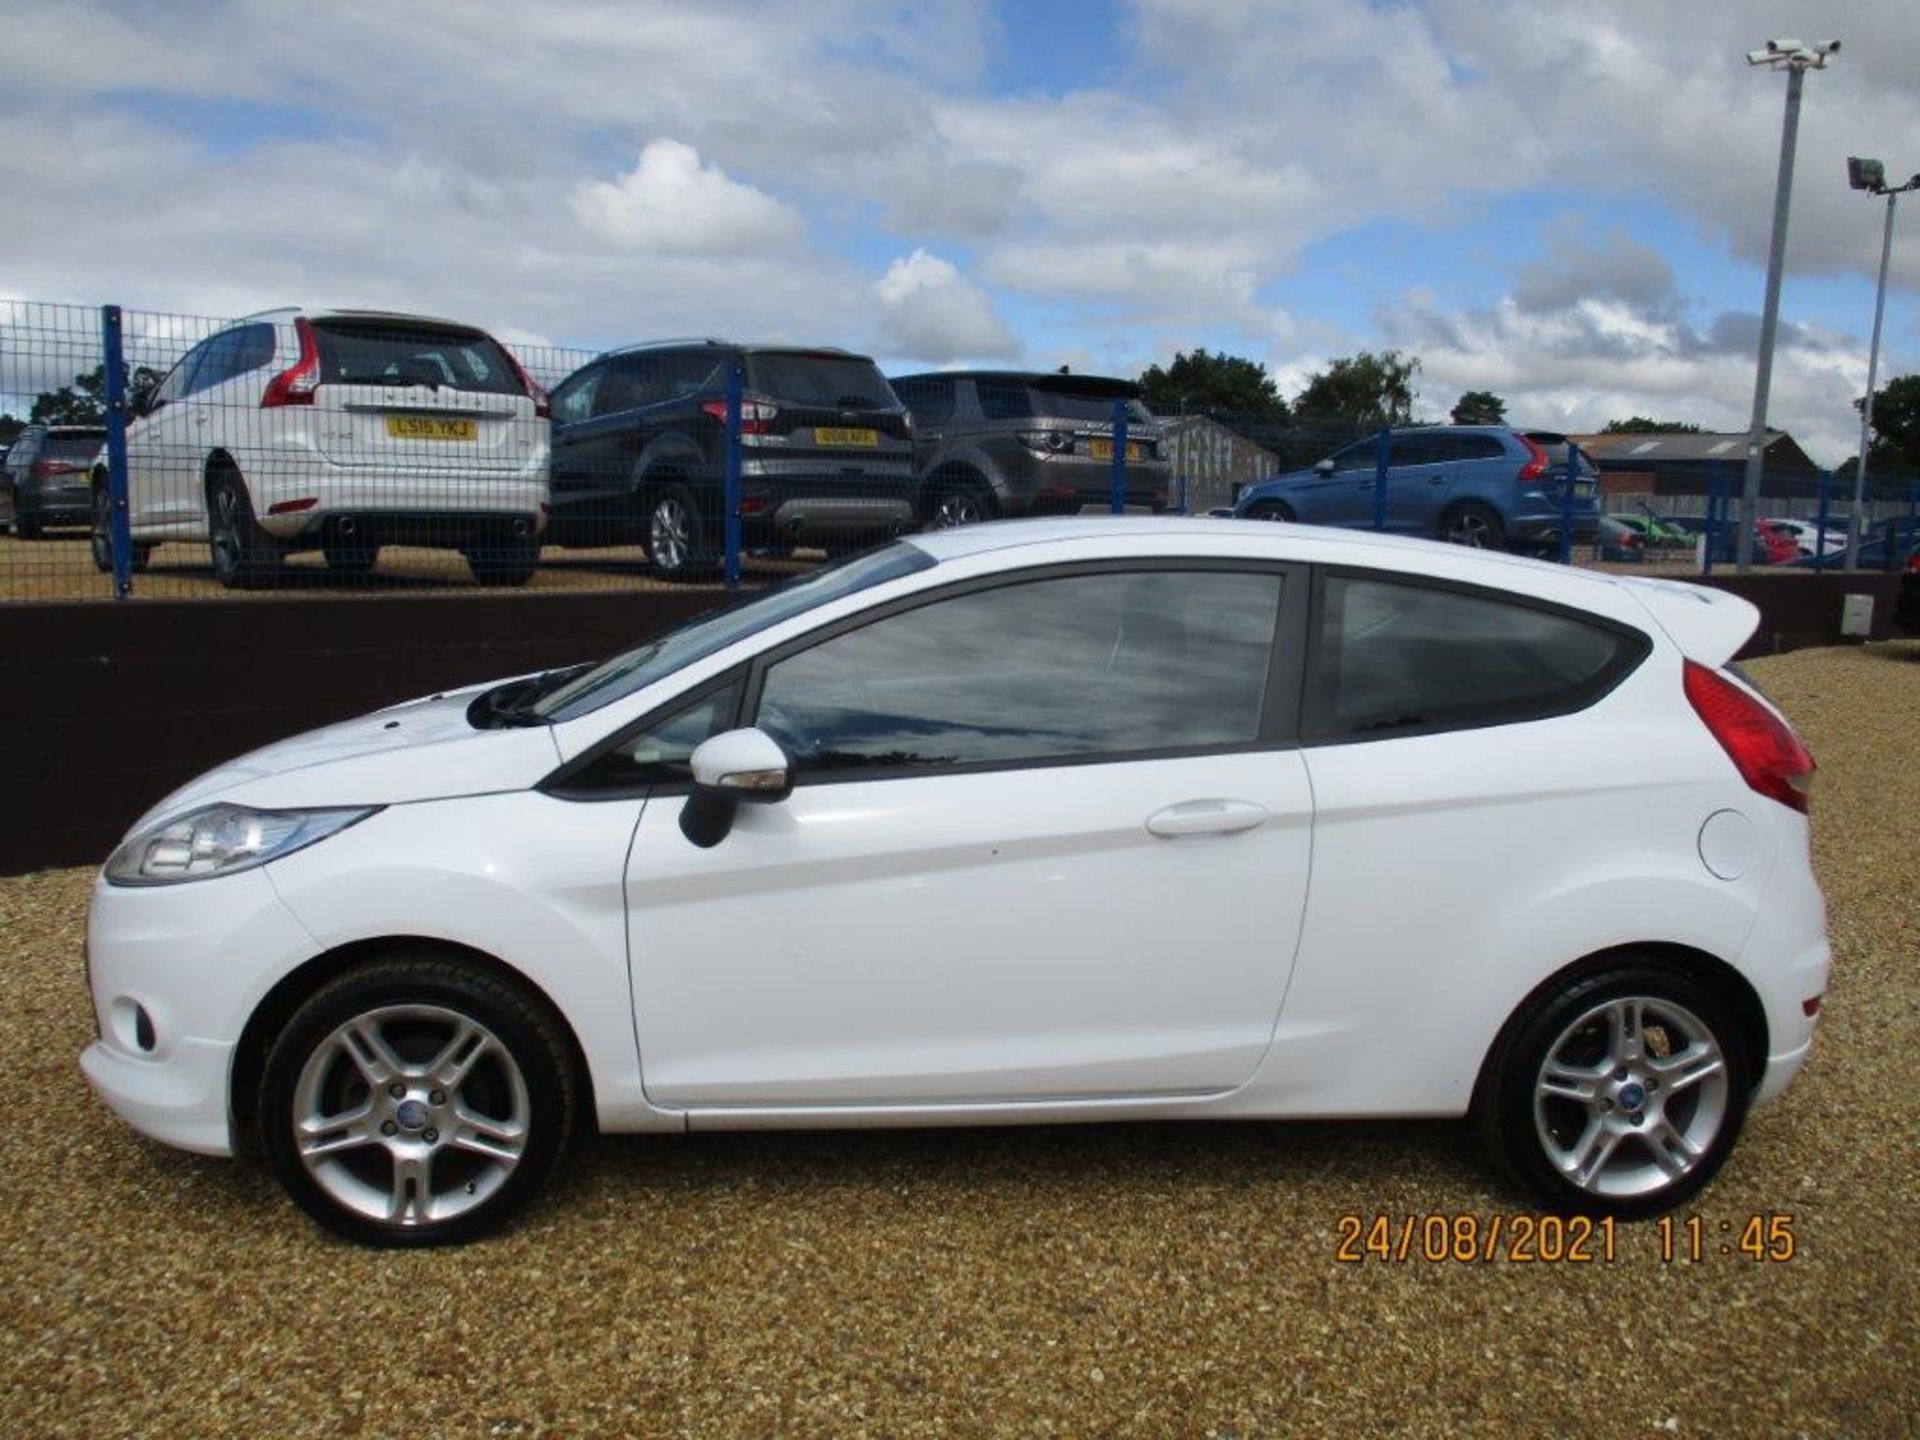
<point x="288" y="312"/>
<point x="711" y="342"/>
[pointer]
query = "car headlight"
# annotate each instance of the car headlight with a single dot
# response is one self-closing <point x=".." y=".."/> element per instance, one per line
<point x="220" y="839"/>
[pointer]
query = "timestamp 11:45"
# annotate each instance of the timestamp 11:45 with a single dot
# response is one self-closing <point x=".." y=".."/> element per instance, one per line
<point x="1692" y="1238"/>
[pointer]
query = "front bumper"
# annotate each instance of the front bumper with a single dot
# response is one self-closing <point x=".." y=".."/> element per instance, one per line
<point x="180" y="1101"/>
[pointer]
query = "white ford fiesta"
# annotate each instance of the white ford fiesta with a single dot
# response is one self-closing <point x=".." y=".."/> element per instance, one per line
<point x="1034" y="821"/>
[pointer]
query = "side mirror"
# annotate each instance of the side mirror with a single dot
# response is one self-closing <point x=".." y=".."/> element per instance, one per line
<point x="728" y="769"/>
<point x="1325" y="467"/>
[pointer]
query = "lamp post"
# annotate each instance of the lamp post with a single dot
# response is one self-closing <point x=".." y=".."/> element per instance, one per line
<point x="1870" y="176"/>
<point x="1796" y="59"/>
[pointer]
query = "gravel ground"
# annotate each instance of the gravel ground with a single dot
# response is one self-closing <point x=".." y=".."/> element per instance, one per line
<point x="1151" y="1281"/>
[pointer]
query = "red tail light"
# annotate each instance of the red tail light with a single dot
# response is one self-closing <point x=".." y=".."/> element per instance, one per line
<point x="1913" y="563"/>
<point x="1768" y="755"/>
<point x="295" y="385"/>
<point x="1537" y="462"/>
<point x="756" y="416"/>
<point x="535" y="392"/>
<point x="45" y="468"/>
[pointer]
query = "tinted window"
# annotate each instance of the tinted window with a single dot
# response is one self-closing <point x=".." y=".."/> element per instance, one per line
<point x="717" y="629"/>
<point x="931" y="401"/>
<point x="631" y="383"/>
<point x="1420" y="450"/>
<point x="843" y="382"/>
<point x="233" y="353"/>
<point x="1479" y="447"/>
<point x="181" y="376"/>
<point x="1395" y="657"/>
<point x="74" y="449"/>
<point x="398" y="353"/>
<point x="1075" y="666"/>
<point x="574" y="399"/>
<point x="1362" y="456"/>
<point x="659" y="753"/>
<point x="1009" y="400"/>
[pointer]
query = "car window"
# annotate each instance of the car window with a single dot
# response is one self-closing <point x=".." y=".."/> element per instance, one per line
<point x="841" y="381"/>
<point x="1417" y="449"/>
<point x="573" y="400"/>
<point x="634" y="381"/>
<point x="75" y="448"/>
<point x="220" y="363"/>
<point x="931" y="401"/>
<point x="175" y="385"/>
<point x="1067" y="667"/>
<point x="1478" y="447"/>
<point x="403" y="352"/>
<point x="706" y="634"/>
<point x="658" y="753"/>
<point x="694" y="375"/>
<point x="1364" y="455"/>
<point x="1393" y="656"/>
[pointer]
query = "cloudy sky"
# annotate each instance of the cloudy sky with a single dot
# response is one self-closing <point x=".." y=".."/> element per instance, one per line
<point x="1566" y="203"/>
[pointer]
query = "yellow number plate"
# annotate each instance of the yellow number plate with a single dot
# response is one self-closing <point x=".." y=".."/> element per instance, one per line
<point x="1103" y="450"/>
<point x="840" y="435"/>
<point x="429" y="427"/>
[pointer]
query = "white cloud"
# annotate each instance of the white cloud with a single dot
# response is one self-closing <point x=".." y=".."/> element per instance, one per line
<point x="931" y="313"/>
<point x="671" y="203"/>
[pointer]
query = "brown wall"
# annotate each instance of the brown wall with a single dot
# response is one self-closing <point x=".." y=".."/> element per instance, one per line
<point x="105" y="707"/>
<point x="1802" y="608"/>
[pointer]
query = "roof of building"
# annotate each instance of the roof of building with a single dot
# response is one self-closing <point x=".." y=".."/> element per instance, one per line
<point x="1669" y="447"/>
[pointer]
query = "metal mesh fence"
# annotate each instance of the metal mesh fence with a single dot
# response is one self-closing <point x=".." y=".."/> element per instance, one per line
<point x="363" y="453"/>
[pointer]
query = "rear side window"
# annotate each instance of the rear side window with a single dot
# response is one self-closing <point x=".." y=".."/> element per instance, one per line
<point x="1479" y="447"/>
<point x="1070" y="667"/>
<point x="574" y="399"/>
<point x="931" y="401"/>
<point x="843" y="382"/>
<point x="1397" y="658"/>
<point x="395" y="353"/>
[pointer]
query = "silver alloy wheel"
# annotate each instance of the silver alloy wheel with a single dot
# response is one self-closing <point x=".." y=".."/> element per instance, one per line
<point x="411" y="1114"/>
<point x="1631" y="1096"/>
<point x="957" y="507"/>
<point x="1472" y="529"/>
<point x="669" y="533"/>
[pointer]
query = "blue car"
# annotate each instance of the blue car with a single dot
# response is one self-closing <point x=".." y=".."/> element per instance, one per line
<point x="1489" y="486"/>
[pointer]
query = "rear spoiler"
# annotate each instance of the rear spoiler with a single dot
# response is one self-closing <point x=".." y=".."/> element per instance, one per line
<point x="1708" y="625"/>
<point x="1096" y="386"/>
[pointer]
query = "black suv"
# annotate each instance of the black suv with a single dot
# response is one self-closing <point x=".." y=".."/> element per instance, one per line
<point x="639" y="446"/>
<point x="44" y="481"/>
<point x="1013" y="442"/>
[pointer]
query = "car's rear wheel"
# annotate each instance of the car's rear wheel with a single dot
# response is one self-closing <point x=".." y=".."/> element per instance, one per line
<point x="28" y="527"/>
<point x="244" y="556"/>
<point x="417" y="1101"/>
<point x="958" y="501"/>
<point x="678" y="546"/>
<point x="1277" y="510"/>
<point x="100" y="534"/>
<point x="1620" y="1093"/>
<point x="1476" y="526"/>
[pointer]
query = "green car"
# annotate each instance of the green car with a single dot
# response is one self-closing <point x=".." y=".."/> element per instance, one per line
<point x="1653" y="531"/>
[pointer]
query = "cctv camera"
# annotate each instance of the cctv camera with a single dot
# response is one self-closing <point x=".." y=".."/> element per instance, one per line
<point x="1784" y="47"/>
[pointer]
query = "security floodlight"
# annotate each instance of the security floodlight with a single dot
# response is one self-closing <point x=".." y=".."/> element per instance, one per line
<point x="1866" y="174"/>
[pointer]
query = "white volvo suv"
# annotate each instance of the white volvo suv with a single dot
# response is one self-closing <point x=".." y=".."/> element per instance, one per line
<point x="339" y="431"/>
<point x="1030" y="821"/>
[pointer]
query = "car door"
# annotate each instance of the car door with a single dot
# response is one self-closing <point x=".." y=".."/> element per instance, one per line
<point x="578" y="515"/>
<point x="1048" y="841"/>
<point x="1420" y="476"/>
<point x="165" y="445"/>
<point x="1342" y="493"/>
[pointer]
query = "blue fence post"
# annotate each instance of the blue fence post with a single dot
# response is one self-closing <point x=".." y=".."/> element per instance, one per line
<point x="1117" y="474"/>
<point x="730" y="482"/>
<point x="114" y="364"/>
<point x="1712" y="531"/>
<point x="1383" y="443"/>
<point x="1566" y="504"/>
<point x="1820" y="523"/>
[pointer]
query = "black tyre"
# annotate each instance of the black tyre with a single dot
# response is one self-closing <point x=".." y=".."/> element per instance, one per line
<point x="100" y="535"/>
<point x="958" y="501"/>
<point x="507" y="561"/>
<point x="244" y="556"/>
<point x="1270" y="510"/>
<point x="348" y="558"/>
<point x="677" y="533"/>
<point x="1474" y="525"/>
<point x="28" y="527"/>
<point x="417" y="1101"/>
<point x="1620" y="1093"/>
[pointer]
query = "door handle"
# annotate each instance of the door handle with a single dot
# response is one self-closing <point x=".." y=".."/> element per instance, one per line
<point x="1206" y="817"/>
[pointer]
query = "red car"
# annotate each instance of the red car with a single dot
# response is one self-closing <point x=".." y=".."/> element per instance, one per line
<point x="1774" y="543"/>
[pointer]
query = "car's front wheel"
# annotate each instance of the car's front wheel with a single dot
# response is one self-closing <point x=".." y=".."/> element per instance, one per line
<point x="1275" y="510"/>
<point x="417" y="1101"/>
<point x="1618" y="1094"/>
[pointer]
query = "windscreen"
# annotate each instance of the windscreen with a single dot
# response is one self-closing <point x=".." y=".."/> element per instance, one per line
<point x="705" y="635"/>
<point x="842" y="382"/>
<point x="357" y="352"/>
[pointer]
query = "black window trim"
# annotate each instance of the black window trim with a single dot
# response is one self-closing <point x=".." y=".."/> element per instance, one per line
<point x="1279" y="709"/>
<point x="1317" y="726"/>
<point x="564" y="783"/>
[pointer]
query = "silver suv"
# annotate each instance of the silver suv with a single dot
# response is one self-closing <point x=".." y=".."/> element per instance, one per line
<point x="1013" y="442"/>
